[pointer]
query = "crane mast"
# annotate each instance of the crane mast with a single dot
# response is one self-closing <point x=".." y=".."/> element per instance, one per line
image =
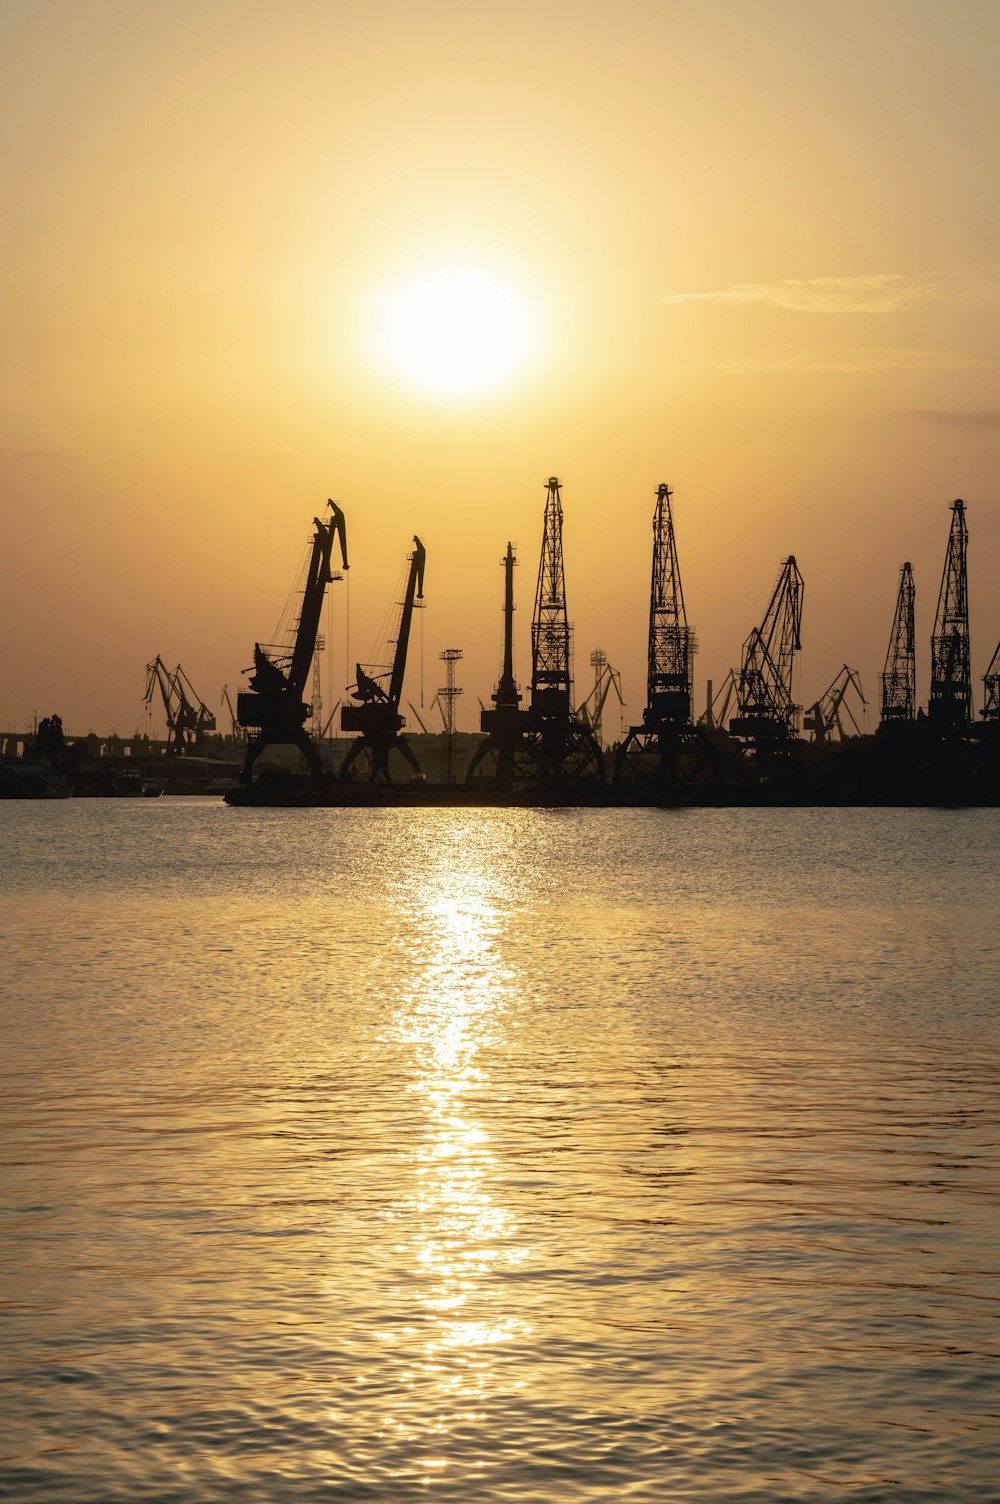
<point x="899" y="677"/>
<point x="544" y="744"/>
<point x="671" y="644"/>
<point x="505" y="724"/>
<point x="667" y="749"/>
<point x="764" y="692"/>
<point x="551" y="671"/>
<point x="950" y="702"/>
<point x="506" y="695"/>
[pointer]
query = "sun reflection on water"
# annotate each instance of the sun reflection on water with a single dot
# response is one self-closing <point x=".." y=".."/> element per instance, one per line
<point x="460" y="1235"/>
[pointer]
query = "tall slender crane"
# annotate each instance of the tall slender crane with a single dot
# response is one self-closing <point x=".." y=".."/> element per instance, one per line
<point x="545" y="744"/>
<point x="559" y="748"/>
<point x="950" y="704"/>
<point x="274" y="706"/>
<point x="376" y="716"/>
<point x="666" y="748"/>
<point x="551" y="669"/>
<point x="493" y="761"/>
<point x="764" y="692"/>
<point x="671" y="644"/>
<point x="899" y="677"/>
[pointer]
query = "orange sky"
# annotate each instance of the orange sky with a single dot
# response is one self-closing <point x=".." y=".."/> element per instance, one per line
<point x="756" y="244"/>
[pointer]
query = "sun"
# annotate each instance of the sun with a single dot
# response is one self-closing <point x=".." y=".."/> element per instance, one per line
<point x="457" y="332"/>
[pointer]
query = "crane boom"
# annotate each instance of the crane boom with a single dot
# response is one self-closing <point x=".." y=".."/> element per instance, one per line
<point x="951" y="680"/>
<point x="414" y="593"/>
<point x="899" y="677"/>
<point x="377" y="715"/>
<point x="275" y="706"/>
<point x="764" y="692"/>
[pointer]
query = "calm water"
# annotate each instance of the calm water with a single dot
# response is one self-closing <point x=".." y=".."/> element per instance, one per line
<point x="514" y="1156"/>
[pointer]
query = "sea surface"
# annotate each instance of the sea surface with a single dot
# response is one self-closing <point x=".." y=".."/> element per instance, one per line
<point x="498" y="1155"/>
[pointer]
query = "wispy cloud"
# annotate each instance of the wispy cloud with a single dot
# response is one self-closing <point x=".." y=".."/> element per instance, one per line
<point x="882" y="292"/>
<point x="885" y="358"/>
<point x="988" y="419"/>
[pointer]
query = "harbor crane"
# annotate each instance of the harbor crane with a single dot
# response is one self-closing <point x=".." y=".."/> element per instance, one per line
<point x="274" y="705"/>
<point x="830" y="712"/>
<point x="667" y="747"/>
<point x="558" y="746"/>
<point x="376" y="715"/>
<point x="505" y="724"/>
<point x="765" y="710"/>
<point x="189" y="719"/>
<point x="950" y="704"/>
<point x="543" y="744"/>
<point x="606" y="678"/>
<point x="899" y="677"/>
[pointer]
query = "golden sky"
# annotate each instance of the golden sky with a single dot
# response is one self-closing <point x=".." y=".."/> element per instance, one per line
<point x="749" y="247"/>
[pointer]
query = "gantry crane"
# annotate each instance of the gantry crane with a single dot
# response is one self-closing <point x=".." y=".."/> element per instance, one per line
<point x="950" y="705"/>
<point x="899" y="677"/>
<point x="274" y="706"/>
<point x="189" y="719"/>
<point x="765" y="709"/>
<point x="377" y="716"/>
<point x="667" y="747"/>
<point x="828" y="715"/>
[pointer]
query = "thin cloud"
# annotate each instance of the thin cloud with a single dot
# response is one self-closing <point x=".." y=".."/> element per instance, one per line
<point x="886" y="358"/>
<point x="883" y="292"/>
<point x="989" y="418"/>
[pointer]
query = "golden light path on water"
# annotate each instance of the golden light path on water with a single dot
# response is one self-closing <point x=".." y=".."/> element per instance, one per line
<point x="465" y="1235"/>
<point x="542" y="1156"/>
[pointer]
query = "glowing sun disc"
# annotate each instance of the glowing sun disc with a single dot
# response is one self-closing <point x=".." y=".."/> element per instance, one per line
<point x="456" y="332"/>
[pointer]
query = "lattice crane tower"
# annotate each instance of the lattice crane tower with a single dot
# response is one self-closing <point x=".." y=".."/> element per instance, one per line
<point x="951" y="679"/>
<point x="551" y="670"/>
<point x="899" y="677"/>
